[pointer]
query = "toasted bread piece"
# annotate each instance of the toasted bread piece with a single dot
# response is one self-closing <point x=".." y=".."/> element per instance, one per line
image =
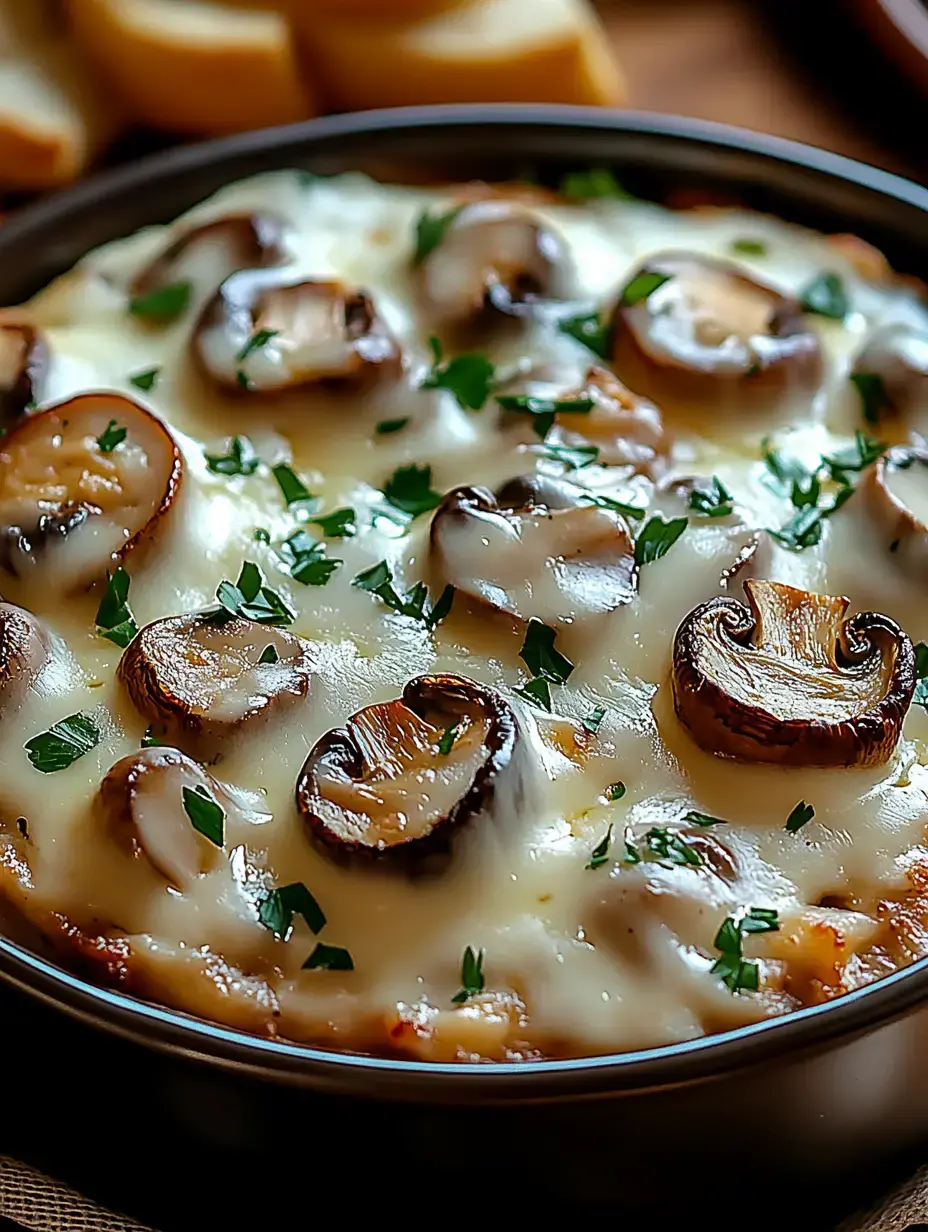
<point x="52" y="117"/>
<point x="485" y="51"/>
<point x="197" y="68"/>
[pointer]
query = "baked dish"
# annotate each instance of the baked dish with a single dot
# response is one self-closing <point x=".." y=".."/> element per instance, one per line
<point x="467" y="623"/>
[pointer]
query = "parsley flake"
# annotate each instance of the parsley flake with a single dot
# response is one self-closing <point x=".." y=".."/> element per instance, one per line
<point x="292" y="487"/>
<point x="873" y="396"/>
<point x="642" y="286"/>
<point x="536" y="692"/>
<point x="409" y="489"/>
<point x="339" y="524"/>
<point x="588" y="328"/>
<point x="800" y="815"/>
<point x="114" y="620"/>
<point x="657" y="537"/>
<point x="544" y="410"/>
<point x="149" y="739"/>
<point x="206" y="816"/>
<point x="600" y="853"/>
<point x="306" y="559"/>
<point x="615" y="791"/>
<point x="145" y="381"/>
<point x="277" y="909"/>
<point x="825" y="296"/>
<point x="431" y="230"/>
<point x="329" y="958"/>
<point x="252" y="599"/>
<point x="240" y="460"/>
<point x="668" y="845"/>
<point x="574" y="457"/>
<point x="63" y="743"/>
<point x="739" y="973"/>
<point x="269" y="655"/>
<point x="863" y="453"/>
<point x="712" y="502"/>
<point x="539" y="655"/>
<point x="112" y="436"/>
<point x="596" y="183"/>
<point x="387" y="427"/>
<point x="693" y="818"/>
<point x="447" y="739"/>
<point x="163" y="305"/>
<point x="747" y="247"/>
<point x="472" y="981"/>
<point x="378" y="580"/>
<point x="469" y="377"/>
<point x="593" y="720"/>
<point x="256" y="342"/>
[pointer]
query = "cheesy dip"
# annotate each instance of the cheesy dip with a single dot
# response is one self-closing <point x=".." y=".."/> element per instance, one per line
<point x="476" y="623"/>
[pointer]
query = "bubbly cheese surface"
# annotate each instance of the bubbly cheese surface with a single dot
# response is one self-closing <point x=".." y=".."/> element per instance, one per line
<point x="577" y="959"/>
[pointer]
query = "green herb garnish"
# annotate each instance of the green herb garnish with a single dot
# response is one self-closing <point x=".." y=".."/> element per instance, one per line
<point x="112" y="436"/>
<point x="149" y="739"/>
<point x="256" y="342"/>
<point x="431" y="230"/>
<point x="164" y="305"/>
<point x="825" y="296"/>
<point x="593" y="720"/>
<point x="536" y="692"/>
<point x="801" y="814"/>
<point x="269" y="655"/>
<point x="63" y="743"/>
<point x="240" y="460"/>
<point x="746" y="247"/>
<point x="472" y="981"/>
<point x="668" y="845"/>
<point x="642" y="286"/>
<point x="693" y="818"/>
<point x="409" y="489"/>
<point x="657" y="537"/>
<point x="544" y="410"/>
<point x="145" y="381"/>
<point x="277" y="910"/>
<point x="114" y="620"/>
<point x="293" y="489"/>
<point x="600" y="853"/>
<point x="252" y="599"/>
<point x="378" y="580"/>
<point x="597" y="183"/>
<point x="339" y="524"/>
<point x="447" y="739"/>
<point x="329" y="958"/>
<point x="206" y="816"/>
<point x="306" y="559"/>
<point x="873" y="396"/>
<point x="469" y="377"/>
<point x="588" y="328"/>
<point x="712" y="502"/>
<point x="539" y="655"/>
<point x="574" y="457"/>
<point x="615" y="791"/>
<point x="388" y="426"/>
<point x="731" y="967"/>
<point x="863" y="453"/>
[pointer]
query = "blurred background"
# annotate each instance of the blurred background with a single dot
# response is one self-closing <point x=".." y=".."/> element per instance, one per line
<point x="90" y="82"/>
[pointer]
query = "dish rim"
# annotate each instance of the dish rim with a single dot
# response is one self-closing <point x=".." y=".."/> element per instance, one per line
<point x="409" y="1080"/>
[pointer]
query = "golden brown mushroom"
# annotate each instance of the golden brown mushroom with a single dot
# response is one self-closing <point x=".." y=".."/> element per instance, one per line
<point x="494" y="256"/>
<point x="788" y="680"/>
<point x="402" y="777"/>
<point x="23" y="368"/>
<point x="891" y="372"/>
<point x="535" y="548"/>
<point x="264" y="332"/>
<point x="895" y="494"/>
<point x="141" y="800"/>
<point x="81" y="486"/>
<point x="199" y="680"/>
<point x="207" y="254"/>
<point x="23" y="653"/>
<point x="692" y="329"/>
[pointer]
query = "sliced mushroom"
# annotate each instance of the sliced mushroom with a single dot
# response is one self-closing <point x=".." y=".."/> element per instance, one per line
<point x="896" y="499"/>
<point x="897" y="355"/>
<point x="310" y="331"/>
<point x="23" y="368"/>
<point x="71" y="507"/>
<point x="208" y="253"/>
<point x="141" y="800"/>
<point x="23" y="653"/>
<point x="495" y="256"/>
<point x="788" y="680"/>
<point x="384" y="786"/>
<point x="199" y="681"/>
<point x="535" y="548"/>
<point x="627" y="429"/>
<point x="709" y="332"/>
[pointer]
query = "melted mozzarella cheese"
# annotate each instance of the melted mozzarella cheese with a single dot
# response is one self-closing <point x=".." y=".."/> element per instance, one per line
<point x="594" y="959"/>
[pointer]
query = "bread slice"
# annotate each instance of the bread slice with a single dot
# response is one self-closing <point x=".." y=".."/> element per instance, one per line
<point x="484" y="51"/>
<point x="195" y="68"/>
<point x="53" y="118"/>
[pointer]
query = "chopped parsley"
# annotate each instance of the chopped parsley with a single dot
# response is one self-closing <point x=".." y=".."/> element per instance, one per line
<point x="329" y="958"/>
<point x="269" y="655"/>
<point x="747" y="247"/>
<point x="431" y="230"/>
<point x="292" y="487"/>
<point x="600" y="853"/>
<point x="873" y="396"/>
<point x="240" y="460"/>
<point x="593" y="720"/>
<point x="544" y="410"/>
<point x="258" y="340"/>
<point x="469" y="377"/>
<point x="668" y="845"/>
<point x="163" y="305"/>
<point x="588" y="328"/>
<point x="792" y="478"/>
<point x="387" y="427"/>
<point x="597" y="182"/>
<point x="920" y="697"/>
<point x="339" y="524"/>
<point x="783" y="471"/>
<point x="657" y="537"/>
<point x="539" y="655"/>
<point x="114" y="620"/>
<point x="863" y="453"/>
<point x="693" y="818"/>
<point x="409" y="489"/>
<point x="574" y="457"/>
<point x="635" y="512"/>
<point x="149" y="739"/>
<point x="112" y="436"/>
<point x="63" y="743"/>
<point x="642" y="286"/>
<point x="536" y="692"/>
<point x="206" y="816"/>
<point x="447" y="739"/>
<point x="825" y="296"/>
<point x="378" y="580"/>
<point x="800" y="815"/>
<point x="615" y="791"/>
<point x="472" y="981"/>
<point x="277" y="910"/>
<point x="712" y="502"/>
<point x="145" y="381"/>
<point x="252" y="599"/>
<point x="738" y="972"/>
<point x="306" y="559"/>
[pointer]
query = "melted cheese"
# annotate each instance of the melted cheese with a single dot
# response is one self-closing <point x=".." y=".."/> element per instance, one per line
<point x="584" y="960"/>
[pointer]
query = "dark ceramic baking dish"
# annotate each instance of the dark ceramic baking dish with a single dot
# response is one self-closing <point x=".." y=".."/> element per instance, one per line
<point x="830" y="1092"/>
